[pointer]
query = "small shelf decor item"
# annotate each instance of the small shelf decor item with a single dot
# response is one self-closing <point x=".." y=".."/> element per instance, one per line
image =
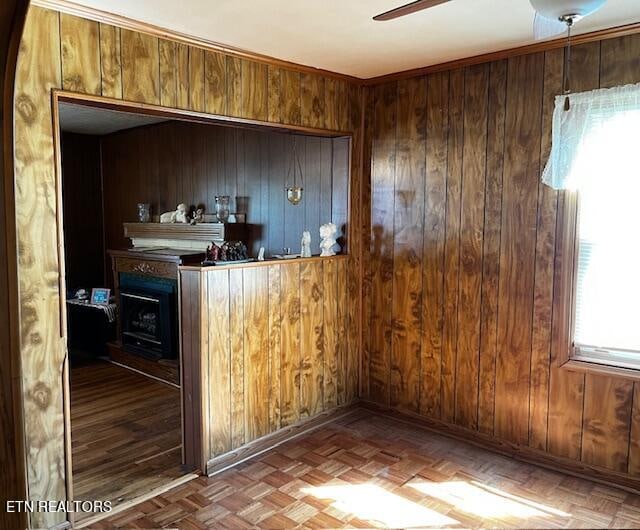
<point x="144" y="212"/>
<point x="100" y="296"/>
<point x="328" y="239"/>
<point x="222" y="208"/>
<point x="294" y="193"/>
<point x="228" y="252"/>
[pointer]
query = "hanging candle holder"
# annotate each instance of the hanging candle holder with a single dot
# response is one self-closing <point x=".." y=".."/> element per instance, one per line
<point x="294" y="193"/>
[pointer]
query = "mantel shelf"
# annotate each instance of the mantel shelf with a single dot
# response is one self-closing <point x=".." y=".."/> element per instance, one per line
<point x="199" y="232"/>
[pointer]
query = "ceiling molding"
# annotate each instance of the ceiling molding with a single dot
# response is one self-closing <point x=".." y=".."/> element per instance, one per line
<point x="72" y="8"/>
<point x="97" y="15"/>
<point x="603" y="34"/>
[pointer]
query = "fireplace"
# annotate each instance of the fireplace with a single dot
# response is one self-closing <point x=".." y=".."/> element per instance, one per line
<point x="148" y="316"/>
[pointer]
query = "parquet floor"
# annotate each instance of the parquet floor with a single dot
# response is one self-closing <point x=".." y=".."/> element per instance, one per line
<point x="365" y="471"/>
<point x="125" y="432"/>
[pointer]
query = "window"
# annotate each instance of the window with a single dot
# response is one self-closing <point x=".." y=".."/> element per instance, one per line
<point x="596" y="154"/>
<point x="607" y="279"/>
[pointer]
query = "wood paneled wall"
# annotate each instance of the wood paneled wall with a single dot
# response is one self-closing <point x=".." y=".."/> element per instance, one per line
<point x="175" y="162"/>
<point x="64" y="51"/>
<point x="85" y="260"/>
<point x="459" y="289"/>
<point x="272" y="342"/>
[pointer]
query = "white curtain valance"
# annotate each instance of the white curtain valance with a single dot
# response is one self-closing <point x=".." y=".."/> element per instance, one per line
<point x="577" y="129"/>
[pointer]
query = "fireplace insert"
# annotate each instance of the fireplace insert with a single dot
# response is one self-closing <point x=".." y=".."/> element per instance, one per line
<point x="148" y="316"/>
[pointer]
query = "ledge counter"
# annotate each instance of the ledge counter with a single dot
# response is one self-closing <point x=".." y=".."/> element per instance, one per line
<point x="270" y="338"/>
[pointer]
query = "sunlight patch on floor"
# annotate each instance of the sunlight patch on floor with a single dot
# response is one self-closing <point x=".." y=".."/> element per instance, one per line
<point x="480" y="500"/>
<point x="373" y="503"/>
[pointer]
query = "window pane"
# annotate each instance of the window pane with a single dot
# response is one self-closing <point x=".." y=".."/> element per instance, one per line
<point x="608" y="280"/>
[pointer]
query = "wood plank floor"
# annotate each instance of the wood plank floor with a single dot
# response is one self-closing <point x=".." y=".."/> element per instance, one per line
<point x="367" y="471"/>
<point x="125" y="432"/>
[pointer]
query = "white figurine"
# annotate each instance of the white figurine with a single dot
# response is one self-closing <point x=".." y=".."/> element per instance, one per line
<point x="306" y="244"/>
<point x="261" y="254"/>
<point x="328" y="237"/>
<point x="178" y="216"/>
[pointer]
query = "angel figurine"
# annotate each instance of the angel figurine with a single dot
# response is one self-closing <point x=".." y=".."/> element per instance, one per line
<point x="305" y="252"/>
<point x="328" y="239"/>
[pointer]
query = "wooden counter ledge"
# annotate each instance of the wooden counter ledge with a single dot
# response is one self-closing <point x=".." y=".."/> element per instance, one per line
<point x="265" y="263"/>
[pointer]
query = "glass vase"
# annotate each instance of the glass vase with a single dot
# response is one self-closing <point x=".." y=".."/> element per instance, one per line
<point x="144" y="212"/>
<point x="222" y="208"/>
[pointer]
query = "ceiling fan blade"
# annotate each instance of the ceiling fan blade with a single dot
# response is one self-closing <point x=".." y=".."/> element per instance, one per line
<point x="544" y="28"/>
<point x="407" y="9"/>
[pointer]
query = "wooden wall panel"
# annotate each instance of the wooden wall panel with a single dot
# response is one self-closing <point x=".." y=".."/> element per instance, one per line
<point x="312" y="100"/>
<point x="435" y="196"/>
<point x="517" y="259"/>
<point x="215" y="82"/>
<point x="80" y="48"/>
<point x="311" y="339"/>
<point x="140" y="67"/>
<point x="382" y="215"/>
<point x="254" y="90"/>
<point x="218" y="359"/>
<point x="110" y="61"/>
<point x="408" y="237"/>
<point x="452" y="244"/>
<point x="168" y="77"/>
<point x="256" y="351"/>
<point x="275" y="346"/>
<point x="331" y="335"/>
<point x="471" y="239"/>
<point x="491" y="245"/>
<point x="124" y="64"/>
<point x="39" y="71"/>
<point x="492" y="260"/>
<point x="290" y="364"/>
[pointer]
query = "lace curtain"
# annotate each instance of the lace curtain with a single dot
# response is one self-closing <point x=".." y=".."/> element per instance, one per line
<point x="598" y="127"/>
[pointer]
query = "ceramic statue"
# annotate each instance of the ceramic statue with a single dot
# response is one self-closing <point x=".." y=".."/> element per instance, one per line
<point x="328" y="239"/>
<point x="305" y="252"/>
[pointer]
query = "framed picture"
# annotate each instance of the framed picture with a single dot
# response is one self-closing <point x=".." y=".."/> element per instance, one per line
<point x="100" y="296"/>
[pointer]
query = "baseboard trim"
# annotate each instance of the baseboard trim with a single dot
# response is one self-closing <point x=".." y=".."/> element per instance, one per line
<point x="252" y="449"/>
<point x="529" y="455"/>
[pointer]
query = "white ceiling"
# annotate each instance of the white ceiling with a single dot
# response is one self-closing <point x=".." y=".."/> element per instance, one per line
<point x="82" y="119"/>
<point x="339" y="35"/>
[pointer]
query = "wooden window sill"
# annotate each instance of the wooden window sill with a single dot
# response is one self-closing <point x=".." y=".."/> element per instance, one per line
<point x="575" y="365"/>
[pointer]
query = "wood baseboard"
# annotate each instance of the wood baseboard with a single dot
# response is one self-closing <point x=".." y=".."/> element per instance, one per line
<point x="529" y="455"/>
<point x="233" y="458"/>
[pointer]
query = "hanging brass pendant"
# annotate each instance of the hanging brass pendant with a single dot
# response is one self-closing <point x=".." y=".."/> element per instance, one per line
<point x="294" y="195"/>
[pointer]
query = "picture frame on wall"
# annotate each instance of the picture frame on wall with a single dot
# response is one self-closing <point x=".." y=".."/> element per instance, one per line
<point x="100" y="296"/>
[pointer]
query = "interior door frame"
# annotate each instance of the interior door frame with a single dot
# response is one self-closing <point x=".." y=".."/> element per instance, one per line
<point x="196" y="385"/>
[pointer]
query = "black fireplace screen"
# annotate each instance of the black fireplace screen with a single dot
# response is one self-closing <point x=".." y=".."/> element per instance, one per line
<point x="148" y="314"/>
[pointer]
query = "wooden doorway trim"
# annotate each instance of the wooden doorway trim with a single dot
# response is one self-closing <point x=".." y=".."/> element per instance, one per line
<point x="13" y="478"/>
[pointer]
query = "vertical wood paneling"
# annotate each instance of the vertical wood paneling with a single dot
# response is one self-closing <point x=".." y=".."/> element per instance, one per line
<point x="634" y="440"/>
<point x="607" y="416"/>
<point x="256" y="351"/>
<point x="254" y="90"/>
<point x="435" y="196"/>
<point x="196" y="79"/>
<point x="42" y="350"/>
<point x="331" y="336"/>
<point x="234" y="86"/>
<point x="545" y="255"/>
<point x="566" y="388"/>
<point x="382" y="215"/>
<point x="182" y="75"/>
<point x="471" y="244"/>
<point x="336" y="103"/>
<point x="290" y="333"/>
<point x="517" y="260"/>
<point x="491" y="245"/>
<point x="311" y="339"/>
<point x="168" y="81"/>
<point x="236" y="327"/>
<point x="274" y="94"/>
<point x="80" y="45"/>
<point x="290" y="97"/>
<point x="219" y="360"/>
<point x="110" y="64"/>
<point x="452" y="243"/>
<point x="275" y="345"/>
<point x="215" y="82"/>
<point x="620" y="61"/>
<point x="342" y="351"/>
<point x="408" y="244"/>
<point x="140" y="67"/>
<point x="312" y="100"/>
